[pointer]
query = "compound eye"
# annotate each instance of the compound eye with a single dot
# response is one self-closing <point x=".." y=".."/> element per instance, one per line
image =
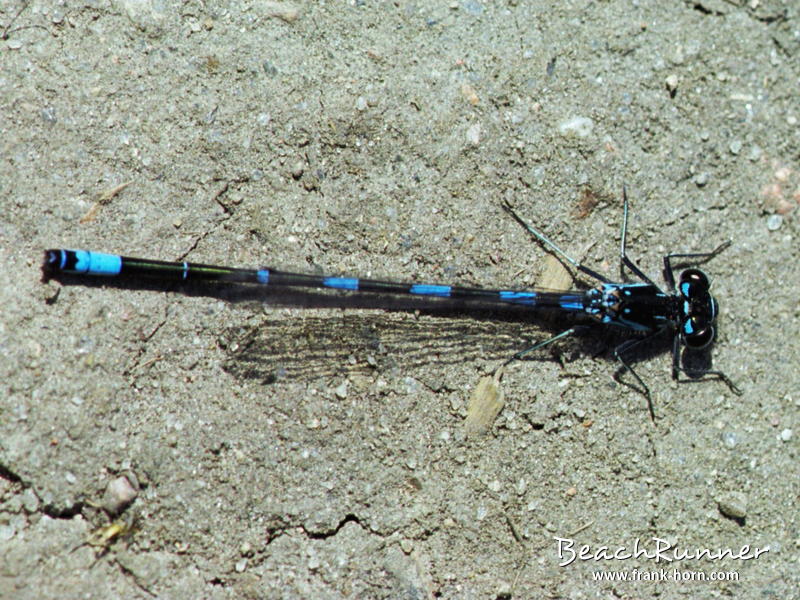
<point x="697" y="334"/>
<point x="693" y="283"/>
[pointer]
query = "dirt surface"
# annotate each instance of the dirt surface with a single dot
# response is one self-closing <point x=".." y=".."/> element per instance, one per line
<point x="292" y="451"/>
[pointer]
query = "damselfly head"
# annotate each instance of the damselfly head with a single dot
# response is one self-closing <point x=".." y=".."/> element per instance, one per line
<point x="698" y="309"/>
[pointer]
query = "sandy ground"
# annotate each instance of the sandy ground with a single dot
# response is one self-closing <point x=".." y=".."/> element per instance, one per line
<point x="292" y="451"/>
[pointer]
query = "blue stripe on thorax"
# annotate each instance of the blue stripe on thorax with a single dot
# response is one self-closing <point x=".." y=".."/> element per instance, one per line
<point x="571" y="302"/>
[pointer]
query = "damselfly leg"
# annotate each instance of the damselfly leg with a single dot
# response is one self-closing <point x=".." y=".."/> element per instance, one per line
<point x="695" y="376"/>
<point x="537" y="346"/>
<point x="624" y="261"/>
<point x="539" y="236"/>
<point x="697" y="258"/>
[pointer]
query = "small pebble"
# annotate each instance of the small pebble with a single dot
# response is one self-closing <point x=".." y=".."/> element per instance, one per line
<point x="504" y="590"/>
<point x="786" y="435"/>
<point x="361" y="104"/>
<point x="474" y="134"/>
<point x="671" y="83"/>
<point x="576" y="126"/>
<point x="472" y="7"/>
<point x="735" y="147"/>
<point x="285" y="11"/>
<point x="701" y="179"/>
<point x="755" y="153"/>
<point x="297" y="170"/>
<point x="14" y="44"/>
<point x="147" y="15"/>
<point x="341" y="390"/>
<point x="782" y="174"/>
<point x="29" y="501"/>
<point x="469" y="93"/>
<point x="774" y="222"/>
<point x="269" y="68"/>
<point x="119" y="493"/>
<point x="733" y="505"/>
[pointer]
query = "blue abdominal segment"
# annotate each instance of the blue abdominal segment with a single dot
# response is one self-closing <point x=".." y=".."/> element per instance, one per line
<point x="421" y="289"/>
<point x="95" y="263"/>
<point x="341" y="283"/>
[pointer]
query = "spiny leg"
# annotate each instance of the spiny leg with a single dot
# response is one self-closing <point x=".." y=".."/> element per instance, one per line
<point x="623" y="255"/>
<point x="624" y="347"/>
<point x="676" y="354"/>
<point x="548" y="244"/>
<point x="535" y="347"/>
<point x="696" y="259"/>
<point x="677" y="369"/>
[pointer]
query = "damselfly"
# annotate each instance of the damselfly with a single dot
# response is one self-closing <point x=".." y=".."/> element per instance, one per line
<point x="641" y="310"/>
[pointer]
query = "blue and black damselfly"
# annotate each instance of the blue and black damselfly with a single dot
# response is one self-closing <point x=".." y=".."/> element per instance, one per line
<point x="640" y="310"/>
